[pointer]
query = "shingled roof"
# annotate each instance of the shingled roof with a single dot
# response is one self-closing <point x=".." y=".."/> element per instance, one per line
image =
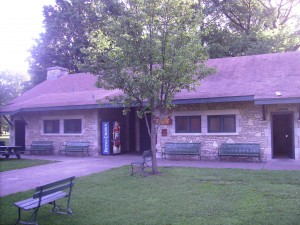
<point x="256" y="77"/>
<point x="264" y="79"/>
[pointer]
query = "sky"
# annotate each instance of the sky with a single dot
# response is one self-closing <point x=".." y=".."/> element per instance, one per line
<point x="21" y="21"/>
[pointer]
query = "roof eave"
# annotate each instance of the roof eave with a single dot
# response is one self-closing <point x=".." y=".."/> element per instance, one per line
<point x="56" y="108"/>
<point x="272" y="101"/>
<point x="214" y="100"/>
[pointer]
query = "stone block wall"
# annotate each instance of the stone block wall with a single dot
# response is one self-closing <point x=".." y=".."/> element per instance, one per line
<point x="90" y="129"/>
<point x="250" y="128"/>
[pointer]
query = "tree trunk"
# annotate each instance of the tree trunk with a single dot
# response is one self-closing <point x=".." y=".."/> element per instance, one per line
<point x="153" y="145"/>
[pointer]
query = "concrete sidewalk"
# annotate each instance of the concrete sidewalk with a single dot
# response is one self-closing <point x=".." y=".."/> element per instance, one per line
<point x="28" y="178"/>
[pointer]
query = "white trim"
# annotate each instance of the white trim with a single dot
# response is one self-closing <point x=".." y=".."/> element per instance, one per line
<point x="204" y="124"/>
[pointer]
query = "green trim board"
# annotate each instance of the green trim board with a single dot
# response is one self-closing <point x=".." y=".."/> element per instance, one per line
<point x="266" y="101"/>
<point x="270" y="101"/>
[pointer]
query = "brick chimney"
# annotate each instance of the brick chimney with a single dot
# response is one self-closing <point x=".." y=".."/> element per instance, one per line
<point x="56" y="72"/>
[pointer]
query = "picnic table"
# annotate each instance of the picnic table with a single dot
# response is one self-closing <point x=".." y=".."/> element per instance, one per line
<point x="11" y="150"/>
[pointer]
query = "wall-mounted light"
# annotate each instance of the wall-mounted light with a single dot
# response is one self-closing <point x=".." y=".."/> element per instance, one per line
<point x="278" y="93"/>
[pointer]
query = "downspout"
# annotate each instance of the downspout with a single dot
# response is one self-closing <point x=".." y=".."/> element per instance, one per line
<point x="8" y="121"/>
<point x="264" y="112"/>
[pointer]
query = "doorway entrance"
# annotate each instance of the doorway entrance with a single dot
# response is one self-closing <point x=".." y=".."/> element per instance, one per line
<point x="20" y="133"/>
<point x="145" y="141"/>
<point x="283" y="135"/>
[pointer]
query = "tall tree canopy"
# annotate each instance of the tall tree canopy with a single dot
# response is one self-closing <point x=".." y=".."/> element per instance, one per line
<point x="11" y="86"/>
<point x="246" y="27"/>
<point x="67" y="27"/>
<point x="150" y="52"/>
<point x="229" y="28"/>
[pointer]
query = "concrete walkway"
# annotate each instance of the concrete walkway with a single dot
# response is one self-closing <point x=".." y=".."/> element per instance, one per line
<point x="28" y="178"/>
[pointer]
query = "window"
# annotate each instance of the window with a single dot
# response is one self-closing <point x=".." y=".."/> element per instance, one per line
<point x="72" y="126"/>
<point x="51" y="126"/>
<point x="221" y="124"/>
<point x="188" y="124"/>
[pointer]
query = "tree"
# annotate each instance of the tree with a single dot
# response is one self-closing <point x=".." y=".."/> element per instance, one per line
<point x="67" y="27"/>
<point x="11" y="86"/>
<point x="229" y="28"/>
<point x="151" y="51"/>
<point x="247" y="27"/>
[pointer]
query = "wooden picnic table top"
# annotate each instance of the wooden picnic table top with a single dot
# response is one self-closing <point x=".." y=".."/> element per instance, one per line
<point x="10" y="148"/>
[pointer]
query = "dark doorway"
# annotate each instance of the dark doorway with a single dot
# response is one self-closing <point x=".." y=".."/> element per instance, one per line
<point x="283" y="135"/>
<point x="145" y="141"/>
<point x="20" y="133"/>
<point x="127" y="129"/>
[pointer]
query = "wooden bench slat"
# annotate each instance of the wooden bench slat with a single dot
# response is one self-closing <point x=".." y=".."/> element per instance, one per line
<point x="47" y="194"/>
<point x="51" y="191"/>
<point x="181" y="149"/>
<point x="73" y="146"/>
<point x="139" y="166"/>
<point x="32" y="203"/>
<point x="69" y="179"/>
<point x="239" y="150"/>
<point x="41" y="146"/>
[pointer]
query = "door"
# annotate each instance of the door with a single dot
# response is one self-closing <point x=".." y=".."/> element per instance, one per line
<point x="20" y="133"/>
<point x="145" y="141"/>
<point x="283" y="135"/>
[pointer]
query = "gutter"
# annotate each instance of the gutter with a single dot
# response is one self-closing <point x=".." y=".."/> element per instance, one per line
<point x="214" y="100"/>
<point x="270" y="101"/>
<point x="263" y="101"/>
<point x="54" y="108"/>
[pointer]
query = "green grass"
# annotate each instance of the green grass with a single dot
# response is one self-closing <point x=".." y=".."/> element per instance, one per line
<point x="177" y="196"/>
<point x="13" y="163"/>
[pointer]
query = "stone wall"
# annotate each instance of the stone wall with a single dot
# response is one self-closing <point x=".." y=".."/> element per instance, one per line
<point x="90" y="129"/>
<point x="284" y="108"/>
<point x="250" y="128"/>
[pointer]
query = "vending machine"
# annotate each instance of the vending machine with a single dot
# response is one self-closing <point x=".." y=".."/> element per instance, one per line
<point x="111" y="141"/>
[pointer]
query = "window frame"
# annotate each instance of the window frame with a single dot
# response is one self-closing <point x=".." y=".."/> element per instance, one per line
<point x="56" y="131"/>
<point x="222" y="117"/>
<point x="74" y="131"/>
<point x="188" y="117"/>
<point x="61" y="125"/>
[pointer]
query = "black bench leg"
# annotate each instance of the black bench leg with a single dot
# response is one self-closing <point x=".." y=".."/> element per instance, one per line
<point x="132" y="169"/>
<point x="34" y="216"/>
<point x="69" y="210"/>
<point x="19" y="216"/>
<point x="59" y="210"/>
<point x="138" y="169"/>
<point x="32" y="219"/>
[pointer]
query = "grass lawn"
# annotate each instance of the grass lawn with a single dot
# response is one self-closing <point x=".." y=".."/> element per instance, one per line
<point x="13" y="163"/>
<point x="177" y="196"/>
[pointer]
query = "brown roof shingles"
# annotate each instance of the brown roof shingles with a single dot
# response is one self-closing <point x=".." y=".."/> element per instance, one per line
<point x="259" y="76"/>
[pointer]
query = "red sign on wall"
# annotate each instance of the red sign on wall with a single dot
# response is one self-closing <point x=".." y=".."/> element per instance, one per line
<point x="164" y="132"/>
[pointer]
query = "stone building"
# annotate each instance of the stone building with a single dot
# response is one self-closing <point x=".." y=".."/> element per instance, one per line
<point x="250" y="99"/>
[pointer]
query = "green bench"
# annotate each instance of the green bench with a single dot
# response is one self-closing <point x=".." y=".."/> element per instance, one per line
<point x="75" y="147"/>
<point x="181" y="149"/>
<point x="40" y="147"/>
<point x="47" y="194"/>
<point x="239" y="150"/>
<point x="139" y="166"/>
